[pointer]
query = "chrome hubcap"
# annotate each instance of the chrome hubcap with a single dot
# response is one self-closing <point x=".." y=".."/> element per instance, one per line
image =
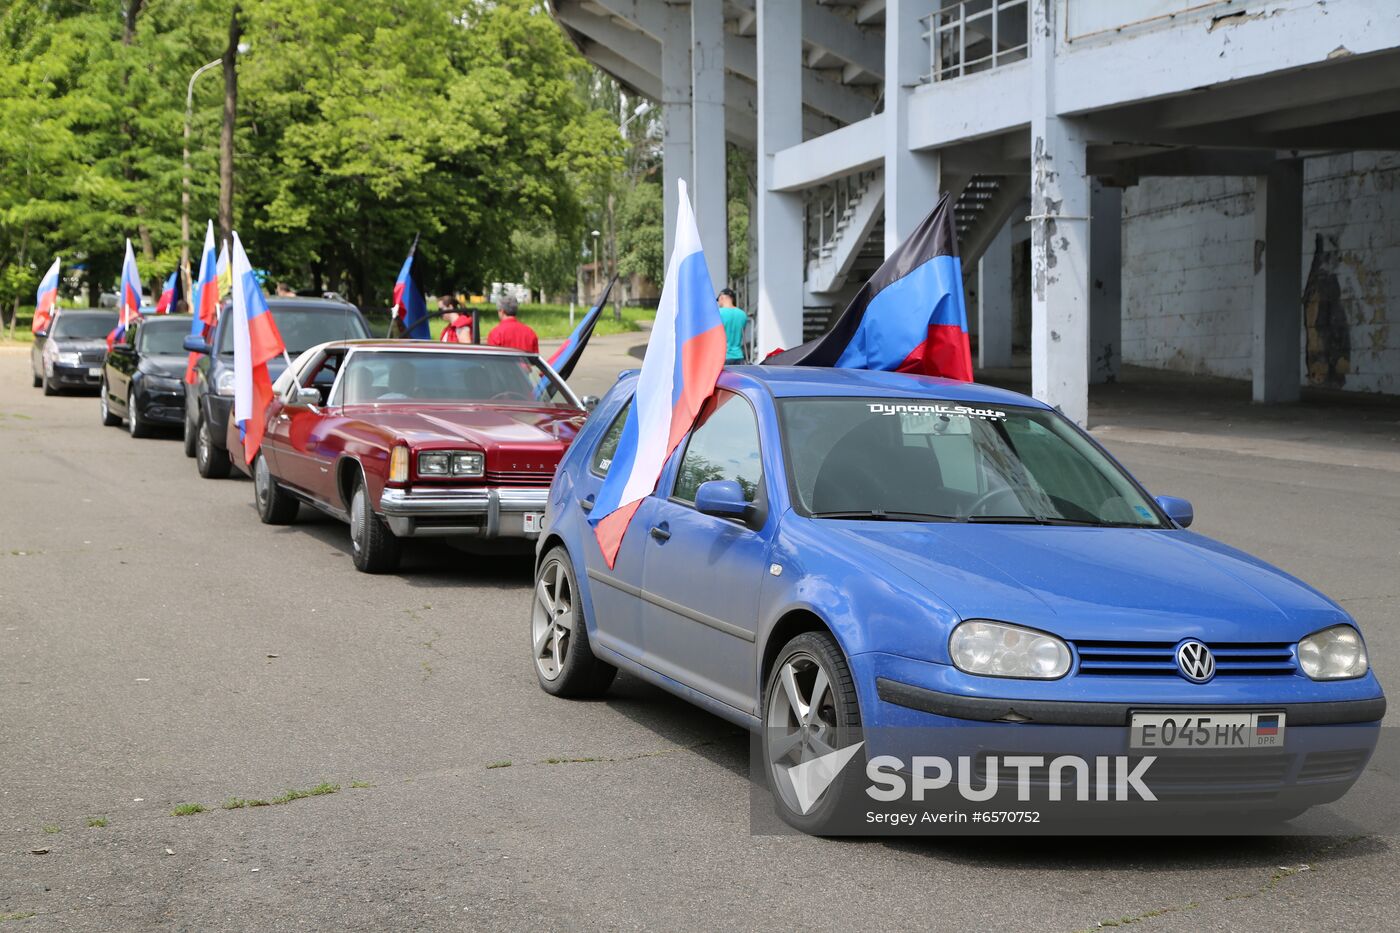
<point x="357" y="519"/>
<point x="102" y="400"/>
<point x="202" y="445"/>
<point x="801" y="719"/>
<point x="552" y="622"/>
<point x="131" y="416"/>
<point x="262" y="481"/>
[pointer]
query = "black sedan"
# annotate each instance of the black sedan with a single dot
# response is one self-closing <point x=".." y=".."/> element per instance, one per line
<point x="143" y="378"/>
<point x="69" y="355"/>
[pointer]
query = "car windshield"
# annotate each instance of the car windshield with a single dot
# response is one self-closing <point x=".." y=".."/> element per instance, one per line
<point x="304" y="328"/>
<point x="902" y="459"/>
<point x="159" y="337"/>
<point x="388" y="376"/>
<point x="83" y="326"/>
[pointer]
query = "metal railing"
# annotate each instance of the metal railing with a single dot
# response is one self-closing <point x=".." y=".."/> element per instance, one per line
<point x="829" y="209"/>
<point x="968" y="36"/>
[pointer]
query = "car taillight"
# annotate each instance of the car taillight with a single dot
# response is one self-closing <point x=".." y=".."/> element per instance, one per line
<point x="398" y="465"/>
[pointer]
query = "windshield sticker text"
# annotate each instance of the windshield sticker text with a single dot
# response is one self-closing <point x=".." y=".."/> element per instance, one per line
<point x="985" y="414"/>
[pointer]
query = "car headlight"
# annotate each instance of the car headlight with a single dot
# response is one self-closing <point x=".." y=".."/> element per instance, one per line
<point x="451" y="463"/>
<point x="67" y="358"/>
<point x="1000" y="650"/>
<point x="1335" y="653"/>
<point x="398" y="464"/>
<point x="224" y="384"/>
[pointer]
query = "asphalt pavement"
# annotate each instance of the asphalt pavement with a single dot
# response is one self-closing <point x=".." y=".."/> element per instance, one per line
<point x="160" y="647"/>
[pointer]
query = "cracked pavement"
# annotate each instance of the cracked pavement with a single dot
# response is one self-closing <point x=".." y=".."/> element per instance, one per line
<point x="159" y="646"/>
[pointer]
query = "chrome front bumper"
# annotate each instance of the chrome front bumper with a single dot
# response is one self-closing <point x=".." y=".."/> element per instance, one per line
<point x="479" y="513"/>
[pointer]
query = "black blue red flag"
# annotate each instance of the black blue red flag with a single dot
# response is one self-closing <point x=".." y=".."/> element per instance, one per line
<point x="567" y="356"/>
<point x="410" y="303"/>
<point x="910" y="317"/>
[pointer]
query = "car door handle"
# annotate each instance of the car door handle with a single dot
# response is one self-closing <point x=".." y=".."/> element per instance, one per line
<point x="661" y="532"/>
<point x="586" y="504"/>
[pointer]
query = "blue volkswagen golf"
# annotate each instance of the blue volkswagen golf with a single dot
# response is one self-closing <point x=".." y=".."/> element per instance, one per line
<point x="838" y="551"/>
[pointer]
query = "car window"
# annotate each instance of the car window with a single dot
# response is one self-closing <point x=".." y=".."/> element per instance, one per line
<point x="162" y="337"/>
<point x="724" y="446"/>
<point x="83" y="326"/>
<point x="447" y="375"/>
<point x="303" y="328"/>
<point x="607" y="447"/>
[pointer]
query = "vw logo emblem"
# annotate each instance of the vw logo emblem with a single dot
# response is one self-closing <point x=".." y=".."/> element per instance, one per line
<point x="1195" y="661"/>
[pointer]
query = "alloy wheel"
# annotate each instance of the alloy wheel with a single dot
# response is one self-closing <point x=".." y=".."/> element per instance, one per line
<point x="357" y="519"/>
<point x="801" y="719"/>
<point x="262" y="482"/>
<point x="552" y="622"/>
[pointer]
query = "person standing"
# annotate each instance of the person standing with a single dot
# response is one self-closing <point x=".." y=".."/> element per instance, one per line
<point x="512" y="332"/>
<point x="459" y="324"/>
<point x="734" y="319"/>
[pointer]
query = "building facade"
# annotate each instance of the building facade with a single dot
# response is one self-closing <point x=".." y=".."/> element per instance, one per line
<point x="1202" y="185"/>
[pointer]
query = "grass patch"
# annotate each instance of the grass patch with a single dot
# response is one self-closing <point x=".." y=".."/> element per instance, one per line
<point x="498" y="764"/>
<point x="320" y="790"/>
<point x="572" y="761"/>
<point x="551" y="322"/>
<point x="238" y="803"/>
<point x="19" y="916"/>
<point x="53" y="828"/>
<point x="97" y="822"/>
<point x="187" y="809"/>
<point x="361" y="784"/>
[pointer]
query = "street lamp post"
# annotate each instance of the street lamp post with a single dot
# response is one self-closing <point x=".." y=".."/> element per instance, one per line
<point x="185" y="190"/>
<point x="596" y="265"/>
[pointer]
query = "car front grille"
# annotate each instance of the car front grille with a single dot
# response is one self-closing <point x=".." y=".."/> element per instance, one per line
<point x="1158" y="658"/>
<point x="533" y="479"/>
<point x="91" y="356"/>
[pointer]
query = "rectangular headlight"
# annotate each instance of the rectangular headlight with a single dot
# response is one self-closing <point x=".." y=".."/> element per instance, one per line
<point x="434" y="463"/>
<point x="468" y="463"/>
<point x="66" y="358"/>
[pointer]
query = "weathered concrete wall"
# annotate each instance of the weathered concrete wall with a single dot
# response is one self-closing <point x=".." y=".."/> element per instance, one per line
<point x="1188" y="253"/>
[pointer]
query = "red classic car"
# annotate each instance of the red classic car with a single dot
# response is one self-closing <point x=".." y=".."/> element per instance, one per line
<point x="410" y="439"/>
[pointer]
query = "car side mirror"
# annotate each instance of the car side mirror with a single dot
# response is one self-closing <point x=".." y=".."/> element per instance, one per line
<point x="723" y="498"/>
<point x="306" y="395"/>
<point x="196" y="344"/>
<point x="1177" y="509"/>
<point x="590" y="402"/>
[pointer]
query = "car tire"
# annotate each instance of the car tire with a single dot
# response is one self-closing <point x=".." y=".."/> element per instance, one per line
<point x="564" y="659"/>
<point x="211" y="462"/>
<point x="276" y="506"/>
<point x="109" y="420"/>
<point x="136" y="425"/>
<point x="372" y="544"/>
<point x="191" y="437"/>
<point x="38" y="380"/>
<point x="810" y="672"/>
<point x="49" y="387"/>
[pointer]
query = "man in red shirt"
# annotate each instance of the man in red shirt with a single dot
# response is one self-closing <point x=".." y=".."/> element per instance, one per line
<point x="511" y="332"/>
<point x="459" y="323"/>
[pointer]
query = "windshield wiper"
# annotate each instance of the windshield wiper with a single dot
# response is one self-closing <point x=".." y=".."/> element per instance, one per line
<point x="1050" y="520"/>
<point x="880" y="515"/>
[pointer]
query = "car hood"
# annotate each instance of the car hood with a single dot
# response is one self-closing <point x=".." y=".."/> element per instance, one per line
<point x="485" y="426"/>
<point x="164" y="364"/>
<point x="78" y="345"/>
<point x="1099" y="583"/>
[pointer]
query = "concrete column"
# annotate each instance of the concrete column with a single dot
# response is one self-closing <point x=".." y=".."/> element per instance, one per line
<point x="911" y="178"/>
<point x="1105" y="282"/>
<point x="707" y="121"/>
<point x="780" y="227"/>
<point x="677" y="159"/>
<point x="994" y="310"/>
<point x="1059" y="237"/>
<point x="1278" y="274"/>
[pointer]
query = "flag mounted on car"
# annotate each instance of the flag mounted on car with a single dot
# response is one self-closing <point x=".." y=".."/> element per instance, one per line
<point x="170" y="296"/>
<point x="684" y="357"/>
<point x="205" y="307"/>
<point x="255" y="341"/>
<point x="410" y="307"/>
<point x="46" y="300"/>
<point x="910" y="317"/>
<point x="128" y="297"/>
<point x="566" y="357"/>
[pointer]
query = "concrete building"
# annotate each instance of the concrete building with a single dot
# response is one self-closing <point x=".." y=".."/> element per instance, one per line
<point x="1202" y="185"/>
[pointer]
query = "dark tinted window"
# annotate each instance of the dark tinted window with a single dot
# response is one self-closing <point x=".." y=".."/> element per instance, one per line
<point x="607" y="447"/>
<point x="83" y="326"/>
<point x="162" y="336"/>
<point x="385" y="376"/>
<point x="304" y="328"/>
<point x="724" y="446"/>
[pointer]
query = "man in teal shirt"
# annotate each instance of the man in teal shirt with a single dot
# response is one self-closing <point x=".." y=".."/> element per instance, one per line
<point x="734" y="320"/>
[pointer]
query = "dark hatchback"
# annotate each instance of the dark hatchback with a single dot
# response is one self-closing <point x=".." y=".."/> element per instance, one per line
<point x="303" y="324"/>
<point x="143" y="377"/>
<point x="69" y="355"/>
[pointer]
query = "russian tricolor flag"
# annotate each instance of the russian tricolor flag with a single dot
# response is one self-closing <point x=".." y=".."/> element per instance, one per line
<point x="205" y="308"/>
<point x="910" y="317"/>
<point x="46" y="300"/>
<point x="255" y="341"/>
<point x="685" y="355"/>
<point x="164" y="304"/>
<point x="128" y="297"/>
<point x="410" y="305"/>
<point x="566" y="357"/>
